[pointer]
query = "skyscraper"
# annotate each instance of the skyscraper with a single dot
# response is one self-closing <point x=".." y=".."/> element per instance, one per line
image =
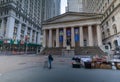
<point x="51" y="8"/>
<point x="27" y="14"/>
<point x="74" y="6"/>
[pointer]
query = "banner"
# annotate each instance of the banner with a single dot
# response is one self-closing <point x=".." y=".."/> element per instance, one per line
<point x="60" y="38"/>
<point x="68" y="32"/>
<point x="76" y="34"/>
<point x="61" y="35"/>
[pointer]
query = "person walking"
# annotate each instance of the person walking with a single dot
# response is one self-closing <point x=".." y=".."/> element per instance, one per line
<point x="50" y="59"/>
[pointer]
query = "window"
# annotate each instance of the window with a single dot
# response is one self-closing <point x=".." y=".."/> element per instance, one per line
<point x="115" y="29"/>
<point x="108" y="32"/>
<point x="109" y="43"/>
<point x="113" y="19"/>
<point x="113" y="6"/>
<point x="1" y="13"/>
<point x="107" y="23"/>
<point x="102" y="28"/>
<point x="109" y="10"/>
<point x="108" y="1"/>
<point x="103" y="35"/>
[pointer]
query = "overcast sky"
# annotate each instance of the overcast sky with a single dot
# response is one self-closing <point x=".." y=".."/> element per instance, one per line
<point x="63" y="5"/>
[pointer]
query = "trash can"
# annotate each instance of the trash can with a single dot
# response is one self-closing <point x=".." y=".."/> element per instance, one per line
<point x="87" y="65"/>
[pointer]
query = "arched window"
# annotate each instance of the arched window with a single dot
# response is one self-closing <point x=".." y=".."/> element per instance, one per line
<point x="108" y="32"/>
<point x="115" y="43"/>
<point x="110" y="45"/>
<point x="103" y="35"/>
<point x="115" y="29"/>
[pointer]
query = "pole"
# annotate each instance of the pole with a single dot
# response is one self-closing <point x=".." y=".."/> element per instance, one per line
<point x="26" y="39"/>
<point x="26" y="48"/>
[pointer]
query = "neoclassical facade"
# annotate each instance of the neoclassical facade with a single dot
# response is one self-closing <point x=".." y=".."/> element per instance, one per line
<point x="74" y="29"/>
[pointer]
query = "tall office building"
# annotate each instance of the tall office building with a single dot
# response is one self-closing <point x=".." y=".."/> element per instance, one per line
<point x="27" y="13"/>
<point x="96" y="6"/>
<point x="51" y="8"/>
<point x="74" y="6"/>
<point x="110" y="19"/>
<point x="20" y="20"/>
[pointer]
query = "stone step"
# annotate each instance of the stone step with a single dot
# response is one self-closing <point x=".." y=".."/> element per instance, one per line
<point x="77" y="51"/>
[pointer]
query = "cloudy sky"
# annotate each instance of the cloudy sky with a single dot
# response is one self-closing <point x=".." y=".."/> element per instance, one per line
<point x="63" y="5"/>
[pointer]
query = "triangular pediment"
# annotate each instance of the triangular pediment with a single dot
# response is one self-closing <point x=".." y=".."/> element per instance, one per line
<point x="72" y="16"/>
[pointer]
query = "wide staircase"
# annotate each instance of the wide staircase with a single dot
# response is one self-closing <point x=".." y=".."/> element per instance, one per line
<point x="77" y="51"/>
<point x="53" y="51"/>
<point x="89" y="51"/>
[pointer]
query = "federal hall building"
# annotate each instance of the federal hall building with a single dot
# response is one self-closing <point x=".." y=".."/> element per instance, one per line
<point x="74" y="29"/>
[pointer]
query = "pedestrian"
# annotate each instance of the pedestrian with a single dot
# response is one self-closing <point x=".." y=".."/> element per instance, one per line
<point x="50" y="59"/>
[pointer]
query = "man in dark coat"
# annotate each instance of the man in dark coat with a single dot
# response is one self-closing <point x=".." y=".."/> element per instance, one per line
<point x="50" y="59"/>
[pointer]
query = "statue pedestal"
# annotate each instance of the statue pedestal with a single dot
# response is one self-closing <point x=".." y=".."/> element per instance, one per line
<point x="68" y="52"/>
<point x="68" y="48"/>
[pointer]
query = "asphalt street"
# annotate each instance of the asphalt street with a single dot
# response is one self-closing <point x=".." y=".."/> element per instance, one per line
<point x="61" y="72"/>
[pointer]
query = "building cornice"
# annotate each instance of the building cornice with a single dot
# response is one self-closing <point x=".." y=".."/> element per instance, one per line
<point x="111" y="36"/>
<point x="47" y="23"/>
<point x="111" y="13"/>
<point x="73" y="14"/>
<point x="85" y="16"/>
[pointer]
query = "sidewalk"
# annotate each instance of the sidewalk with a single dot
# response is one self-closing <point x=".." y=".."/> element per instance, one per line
<point x="13" y="62"/>
<point x="9" y="63"/>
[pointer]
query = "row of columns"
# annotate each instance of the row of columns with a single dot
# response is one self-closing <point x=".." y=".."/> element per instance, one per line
<point x="81" y="41"/>
<point x="10" y="24"/>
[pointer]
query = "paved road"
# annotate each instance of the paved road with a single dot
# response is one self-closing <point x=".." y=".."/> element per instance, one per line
<point x="61" y="72"/>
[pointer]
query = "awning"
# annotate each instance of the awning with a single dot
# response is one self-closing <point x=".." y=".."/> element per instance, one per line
<point x="1" y="41"/>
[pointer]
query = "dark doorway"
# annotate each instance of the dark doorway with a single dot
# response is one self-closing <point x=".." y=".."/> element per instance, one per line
<point x="85" y="42"/>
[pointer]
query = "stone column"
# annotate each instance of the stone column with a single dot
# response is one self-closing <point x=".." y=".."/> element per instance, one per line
<point x="99" y="37"/>
<point x="64" y="38"/>
<point x="50" y="37"/>
<point x="31" y="33"/>
<point x="57" y="37"/>
<point x="10" y="27"/>
<point x="38" y="38"/>
<point x="26" y="29"/>
<point x="81" y="36"/>
<point x="2" y="28"/>
<point x="44" y="38"/>
<point x="72" y="37"/>
<point x="35" y="37"/>
<point x="19" y="31"/>
<point x="90" y="35"/>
